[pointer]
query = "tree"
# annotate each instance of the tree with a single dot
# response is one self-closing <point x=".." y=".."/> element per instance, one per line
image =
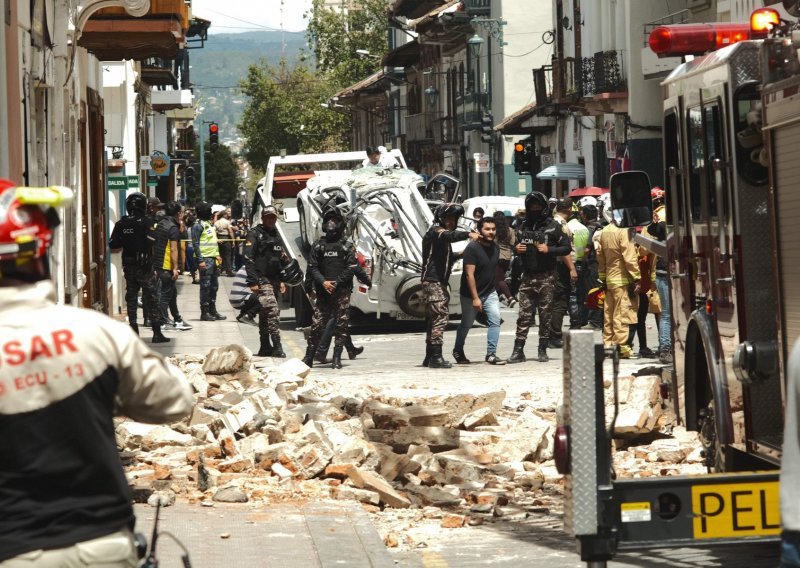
<point x="284" y="111"/>
<point x="222" y="177"/>
<point x="336" y="34"/>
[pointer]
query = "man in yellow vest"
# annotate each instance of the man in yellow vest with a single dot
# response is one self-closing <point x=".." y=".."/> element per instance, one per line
<point x="206" y="252"/>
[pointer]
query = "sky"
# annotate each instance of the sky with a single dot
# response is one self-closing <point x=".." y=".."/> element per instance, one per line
<point x="235" y="16"/>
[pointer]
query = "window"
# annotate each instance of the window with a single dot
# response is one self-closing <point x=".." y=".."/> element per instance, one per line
<point x="674" y="190"/>
<point x="749" y="143"/>
<point x="715" y="148"/>
<point x="696" y="162"/>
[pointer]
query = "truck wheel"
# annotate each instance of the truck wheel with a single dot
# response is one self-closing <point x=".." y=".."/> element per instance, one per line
<point x="302" y="308"/>
<point x="714" y="453"/>
<point x="410" y="297"/>
<point x="303" y="228"/>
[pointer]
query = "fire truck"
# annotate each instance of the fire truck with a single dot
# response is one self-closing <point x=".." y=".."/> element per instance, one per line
<point x="731" y="128"/>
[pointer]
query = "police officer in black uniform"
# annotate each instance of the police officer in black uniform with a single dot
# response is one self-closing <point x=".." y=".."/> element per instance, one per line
<point x="264" y="257"/>
<point x="134" y="235"/>
<point x="437" y="264"/>
<point x="331" y="266"/>
<point x="540" y="241"/>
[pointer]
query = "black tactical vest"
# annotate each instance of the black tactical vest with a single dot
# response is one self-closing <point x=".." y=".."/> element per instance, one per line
<point x="332" y="259"/>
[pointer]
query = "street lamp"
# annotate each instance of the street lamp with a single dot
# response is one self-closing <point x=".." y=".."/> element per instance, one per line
<point x="475" y="44"/>
<point x="431" y="94"/>
<point x="366" y="53"/>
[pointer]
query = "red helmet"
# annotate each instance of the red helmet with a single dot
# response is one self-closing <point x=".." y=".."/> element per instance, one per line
<point x="656" y="193"/>
<point x="26" y="228"/>
<point x="595" y="299"/>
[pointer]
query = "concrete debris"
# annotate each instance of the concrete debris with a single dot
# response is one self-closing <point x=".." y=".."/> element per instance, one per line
<point x="265" y="430"/>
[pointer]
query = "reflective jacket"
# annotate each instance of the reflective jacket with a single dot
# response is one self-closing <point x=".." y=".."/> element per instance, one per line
<point x="64" y="373"/>
<point x="204" y="238"/>
<point x="617" y="261"/>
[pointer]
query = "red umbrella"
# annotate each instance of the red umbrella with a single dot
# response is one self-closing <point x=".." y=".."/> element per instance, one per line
<point x="584" y="191"/>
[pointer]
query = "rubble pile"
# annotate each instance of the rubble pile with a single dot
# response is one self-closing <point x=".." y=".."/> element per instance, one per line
<point x="264" y="430"/>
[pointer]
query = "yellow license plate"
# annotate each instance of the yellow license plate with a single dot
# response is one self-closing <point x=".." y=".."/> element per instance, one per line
<point x="736" y="509"/>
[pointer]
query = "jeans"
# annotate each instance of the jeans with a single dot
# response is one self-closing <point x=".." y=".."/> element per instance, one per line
<point x="491" y="306"/>
<point x="790" y="549"/>
<point x="665" y="323"/>
<point x="209" y="282"/>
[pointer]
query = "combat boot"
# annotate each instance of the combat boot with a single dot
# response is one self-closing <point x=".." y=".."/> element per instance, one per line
<point x="158" y="337"/>
<point x="426" y="361"/>
<point x="277" y="350"/>
<point x="518" y="355"/>
<point x="437" y="361"/>
<point x="212" y="310"/>
<point x="311" y="350"/>
<point x="542" y="356"/>
<point x="336" y="362"/>
<point x="265" y="349"/>
<point x="352" y="350"/>
<point x="205" y="315"/>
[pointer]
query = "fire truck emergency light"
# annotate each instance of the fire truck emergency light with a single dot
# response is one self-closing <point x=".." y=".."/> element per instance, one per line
<point x="762" y="21"/>
<point x="695" y="39"/>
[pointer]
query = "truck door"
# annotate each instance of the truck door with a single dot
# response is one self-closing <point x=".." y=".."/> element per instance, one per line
<point x="720" y="221"/>
<point x="679" y="246"/>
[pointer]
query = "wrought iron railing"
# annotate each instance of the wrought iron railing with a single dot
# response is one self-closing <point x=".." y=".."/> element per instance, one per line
<point x="604" y="72"/>
<point x="478" y="7"/>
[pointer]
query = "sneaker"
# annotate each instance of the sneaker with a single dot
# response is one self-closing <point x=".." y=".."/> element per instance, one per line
<point x="493" y="359"/>
<point x="181" y="325"/>
<point x="647" y="353"/>
<point x="625" y="352"/>
<point x="665" y="358"/>
<point x="247" y="319"/>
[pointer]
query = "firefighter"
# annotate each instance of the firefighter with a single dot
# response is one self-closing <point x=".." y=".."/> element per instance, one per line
<point x="331" y="266"/>
<point x="207" y="260"/>
<point x="263" y="258"/>
<point x="618" y="270"/>
<point x="540" y="241"/>
<point x="134" y="235"/>
<point x="64" y="373"/>
<point x="437" y="263"/>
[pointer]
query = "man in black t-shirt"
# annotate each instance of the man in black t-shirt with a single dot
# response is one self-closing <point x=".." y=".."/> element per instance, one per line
<point x="478" y="293"/>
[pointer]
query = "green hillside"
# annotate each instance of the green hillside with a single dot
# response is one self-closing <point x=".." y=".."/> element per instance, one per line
<point x="218" y="67"/>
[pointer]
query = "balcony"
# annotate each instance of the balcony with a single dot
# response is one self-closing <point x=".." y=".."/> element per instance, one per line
<point x="478" y="7"/>
<point x="604" y="72"/>
<point x="113" y="35"/>
<point x="159" y="72"/>
<point x="445" y="132"/>
<point x="169" y="100"/>
<point x="419" y="127"/>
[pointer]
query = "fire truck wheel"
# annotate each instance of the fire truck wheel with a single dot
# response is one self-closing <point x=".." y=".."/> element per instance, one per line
<point x="302" y="308"/>
<point x="410" y="297"/>
<point x="712" y="451"/>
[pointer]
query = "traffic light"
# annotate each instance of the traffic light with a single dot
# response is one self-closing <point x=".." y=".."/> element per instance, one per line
<point x="213" y="136"/>
<point x="188" y="177"/>
<point x="487" y="128"/>
<point x="522" y="157"/>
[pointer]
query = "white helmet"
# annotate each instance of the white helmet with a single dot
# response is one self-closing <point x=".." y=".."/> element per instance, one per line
<point x="587" y="200"/>
<point x="604" y="201"/>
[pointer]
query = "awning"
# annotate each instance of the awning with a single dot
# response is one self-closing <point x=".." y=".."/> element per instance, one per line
<point x="563" y="171"/>
<point x="404" y="56"/>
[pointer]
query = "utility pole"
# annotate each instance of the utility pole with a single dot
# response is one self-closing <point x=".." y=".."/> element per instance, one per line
<point x="202" y="163"/>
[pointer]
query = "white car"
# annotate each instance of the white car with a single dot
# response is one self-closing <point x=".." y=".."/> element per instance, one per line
<point x="387" y="218"/>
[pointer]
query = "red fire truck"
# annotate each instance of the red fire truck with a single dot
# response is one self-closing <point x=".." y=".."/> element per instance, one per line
<point x="731" y="128"/>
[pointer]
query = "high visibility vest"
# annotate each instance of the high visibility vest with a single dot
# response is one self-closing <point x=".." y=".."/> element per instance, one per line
<point x="208" y="241"/>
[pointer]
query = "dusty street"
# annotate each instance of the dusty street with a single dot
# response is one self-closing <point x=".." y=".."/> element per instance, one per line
<point x="498" y="488"/>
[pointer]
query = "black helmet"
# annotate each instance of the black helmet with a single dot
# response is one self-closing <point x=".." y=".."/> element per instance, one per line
<point x="535" y="197"/>
<point x="291" y="274"/>
<point x="333" y="214"/>
<point x="203" y="211"/>
<point x="448" y="210"/>
<point x="136" y="202"/>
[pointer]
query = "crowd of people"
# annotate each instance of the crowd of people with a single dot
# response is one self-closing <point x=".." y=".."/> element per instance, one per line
<point x="554" y="259"/>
